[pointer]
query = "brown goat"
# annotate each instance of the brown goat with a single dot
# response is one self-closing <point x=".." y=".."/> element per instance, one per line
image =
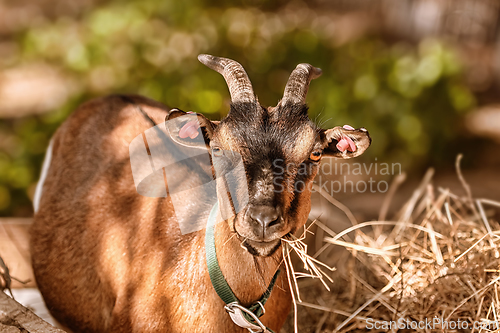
<point x="108" y="259"/>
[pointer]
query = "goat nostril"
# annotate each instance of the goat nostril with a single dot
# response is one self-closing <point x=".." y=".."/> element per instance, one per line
<point x="266" y="216"/>
<point x="275" y="222"/>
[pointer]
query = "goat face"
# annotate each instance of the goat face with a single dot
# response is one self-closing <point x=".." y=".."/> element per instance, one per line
<point x="281" y="149"/>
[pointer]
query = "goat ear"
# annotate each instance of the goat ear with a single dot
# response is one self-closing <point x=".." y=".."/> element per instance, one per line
<point x="190" y="129"/>
<point x="345" y="142"/>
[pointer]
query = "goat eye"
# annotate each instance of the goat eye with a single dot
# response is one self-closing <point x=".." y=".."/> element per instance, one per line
<point x="216" y="151"/>
<point x="315" y="156"/>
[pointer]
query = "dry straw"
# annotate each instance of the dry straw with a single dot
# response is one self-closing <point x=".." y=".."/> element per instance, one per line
<point x="437" y="260"/>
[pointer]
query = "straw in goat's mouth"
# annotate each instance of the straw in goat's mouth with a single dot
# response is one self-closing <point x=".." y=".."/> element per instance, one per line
<point x="313" y="266"/>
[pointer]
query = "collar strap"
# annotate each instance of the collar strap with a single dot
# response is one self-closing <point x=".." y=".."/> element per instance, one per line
<point x="244" y="317"/>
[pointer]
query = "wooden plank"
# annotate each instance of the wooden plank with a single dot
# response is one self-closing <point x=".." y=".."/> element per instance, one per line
<point x="14" y="249"/>
<point x="16" y="318"/>
<point x="32" y="299"/>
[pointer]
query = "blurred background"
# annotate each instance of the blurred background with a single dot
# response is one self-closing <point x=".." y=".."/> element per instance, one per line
<point x="422" y="75"/>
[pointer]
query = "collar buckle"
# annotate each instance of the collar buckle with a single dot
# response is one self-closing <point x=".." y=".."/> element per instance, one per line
<point x="237" y="313"/>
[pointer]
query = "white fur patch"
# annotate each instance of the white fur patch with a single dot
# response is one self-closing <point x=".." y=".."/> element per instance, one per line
<point x="43" y="176"/>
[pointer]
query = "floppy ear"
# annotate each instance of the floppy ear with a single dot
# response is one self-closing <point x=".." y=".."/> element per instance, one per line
<point x="345" y="142"/>
<point x="190" y="129"/>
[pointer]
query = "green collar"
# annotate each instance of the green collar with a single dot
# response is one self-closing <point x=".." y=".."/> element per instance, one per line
<point x="242" y="316"/>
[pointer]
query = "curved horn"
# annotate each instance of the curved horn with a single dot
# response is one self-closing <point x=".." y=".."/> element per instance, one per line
<point x="236" y="78"/>
<point x="298" y="84"/>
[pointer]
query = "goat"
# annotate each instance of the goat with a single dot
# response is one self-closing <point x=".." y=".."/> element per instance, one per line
<point x="107" y="259"/>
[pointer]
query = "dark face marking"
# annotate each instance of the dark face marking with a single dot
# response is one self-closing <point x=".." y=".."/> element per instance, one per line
<point x="276" y="150"/>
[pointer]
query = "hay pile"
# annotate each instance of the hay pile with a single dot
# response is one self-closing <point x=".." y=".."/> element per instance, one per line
<point x="432" y="268"/>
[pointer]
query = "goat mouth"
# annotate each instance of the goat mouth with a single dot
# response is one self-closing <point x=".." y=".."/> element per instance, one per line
<point x="260" y="248"/>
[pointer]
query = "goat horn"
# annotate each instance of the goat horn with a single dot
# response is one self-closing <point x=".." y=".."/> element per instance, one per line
<point x="298" y="84"/>
<point x="236" y="78"/>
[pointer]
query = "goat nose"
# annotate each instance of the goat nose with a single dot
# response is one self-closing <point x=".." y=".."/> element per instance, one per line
<point x="267" y="216"/>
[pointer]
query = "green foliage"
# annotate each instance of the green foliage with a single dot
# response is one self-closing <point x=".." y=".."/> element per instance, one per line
<point x="410" y="97"/>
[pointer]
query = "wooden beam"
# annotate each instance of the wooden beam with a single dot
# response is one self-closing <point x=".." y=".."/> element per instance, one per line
<point x="15" y="318"/>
